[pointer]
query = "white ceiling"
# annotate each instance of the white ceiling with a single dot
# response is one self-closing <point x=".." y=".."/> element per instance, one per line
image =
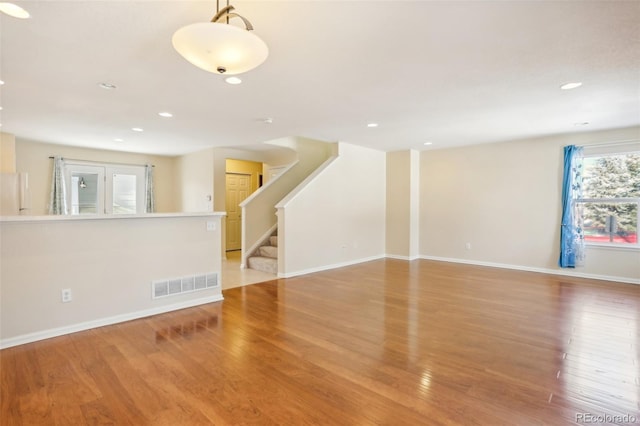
<point x="448" y="72"/>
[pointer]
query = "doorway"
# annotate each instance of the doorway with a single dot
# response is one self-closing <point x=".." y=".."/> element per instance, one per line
<point x="242" y="179"/>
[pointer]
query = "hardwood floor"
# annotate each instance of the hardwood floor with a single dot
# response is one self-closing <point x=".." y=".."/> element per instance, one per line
<point x="384" y="342"/>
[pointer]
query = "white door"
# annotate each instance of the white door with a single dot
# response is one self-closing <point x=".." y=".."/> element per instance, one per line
<point x="238" y="189"/>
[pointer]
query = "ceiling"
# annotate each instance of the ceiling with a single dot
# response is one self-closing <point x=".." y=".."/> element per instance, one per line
<point x="447" y="72"/>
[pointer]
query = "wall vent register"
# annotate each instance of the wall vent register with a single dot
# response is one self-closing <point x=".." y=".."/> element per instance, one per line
<point x="187" y="284"/>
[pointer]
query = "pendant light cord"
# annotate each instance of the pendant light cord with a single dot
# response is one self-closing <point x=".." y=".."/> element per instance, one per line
<point x="218" y="9"/>
<point x="227" y="13"/>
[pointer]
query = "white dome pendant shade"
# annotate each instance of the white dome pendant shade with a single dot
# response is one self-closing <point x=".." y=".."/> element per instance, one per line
<point x="219" y="47"/>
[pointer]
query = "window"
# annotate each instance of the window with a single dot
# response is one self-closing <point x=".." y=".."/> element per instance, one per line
<point x="99" y="189"/>
<point x="85" y="191"/>
<point x="610" y="198"/>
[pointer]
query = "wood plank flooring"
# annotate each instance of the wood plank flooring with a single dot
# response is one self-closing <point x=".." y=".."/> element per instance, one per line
<point x="384" y="342"/>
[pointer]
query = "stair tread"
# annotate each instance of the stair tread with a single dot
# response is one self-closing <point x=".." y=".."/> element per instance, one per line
<point x="268" y="251"/>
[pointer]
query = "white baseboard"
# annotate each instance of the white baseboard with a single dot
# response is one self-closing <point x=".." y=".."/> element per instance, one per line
<point x="327" y="267"/>
<point x="563" y="272"/>
<point x="54" y="332"/>
<point x="398" y="257"/>
<point x="568" y="273"/>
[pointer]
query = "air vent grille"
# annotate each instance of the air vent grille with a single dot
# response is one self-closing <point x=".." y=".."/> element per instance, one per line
<point x="201" y="282"/>
<point x="188" y="284"/>
<point x="175" y="286"/>
<point x="212" y="280"/>
<point x="160" y="289"/>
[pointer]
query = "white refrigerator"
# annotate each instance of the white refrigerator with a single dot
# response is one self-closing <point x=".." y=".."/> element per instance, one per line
<point x="15" y="197"/>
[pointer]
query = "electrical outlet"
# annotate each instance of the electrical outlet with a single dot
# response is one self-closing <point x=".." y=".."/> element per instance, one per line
<point x="468" y="246"/>
<point x="66" y="295"/>
<point x="211" y="226"/>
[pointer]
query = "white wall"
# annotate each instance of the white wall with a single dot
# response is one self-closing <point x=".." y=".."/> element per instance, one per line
<point x="402" y="214"/>
<point x="504" y="199"/>
<point x="414" y="209"/>
<point x="339" y="216"/>
<point x="108" y="263"/>
<point x="33" y="158"/>
<point x="194" y="177"/>
<point x="277" y="160"/>
<point x="7" y="153"/>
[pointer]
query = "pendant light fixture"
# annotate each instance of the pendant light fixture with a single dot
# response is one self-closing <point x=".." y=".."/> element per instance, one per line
<point x="13" y="10"/>
<point x="221" y="48"/>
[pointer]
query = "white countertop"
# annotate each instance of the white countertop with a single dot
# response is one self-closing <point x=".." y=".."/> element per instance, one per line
<point x="57" y="218"/>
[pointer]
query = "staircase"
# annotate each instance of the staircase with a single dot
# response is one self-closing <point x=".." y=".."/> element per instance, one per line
<point x="265" y="259"/>
<point x="259" y="209"/>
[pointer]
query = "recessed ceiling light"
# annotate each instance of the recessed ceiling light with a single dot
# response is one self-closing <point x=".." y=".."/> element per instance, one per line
<point x="427" y="143"/>
<point x="119" y="140"/>
<point x="233" y="80"/>
<point x="1" y="82"/>
<point x="137" y="129"/>
<point x="372" y="125"/>
<point x="268" y="120"/>
<point x="107" y="86"/>
<point x="572" y="85"/>
<point x="14" y="10"/>
<point x="165" y="114"/>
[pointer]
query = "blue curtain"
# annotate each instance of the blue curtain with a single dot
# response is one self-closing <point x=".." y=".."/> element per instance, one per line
<point x="571" y="232"/>
<point x="58" y="195"/>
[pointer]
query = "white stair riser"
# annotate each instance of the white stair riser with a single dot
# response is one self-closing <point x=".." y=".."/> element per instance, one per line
<point x="266" y="257"/>
<point x="264" y="264"/>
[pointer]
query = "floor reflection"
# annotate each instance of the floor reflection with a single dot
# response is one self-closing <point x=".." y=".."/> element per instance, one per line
<point x="186" y="329"/>
<point x="601" y="352"/>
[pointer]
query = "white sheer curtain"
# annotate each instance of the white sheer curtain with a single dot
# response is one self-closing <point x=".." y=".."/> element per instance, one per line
<point x="58" y="197"/>
<point x="150" y="206"/>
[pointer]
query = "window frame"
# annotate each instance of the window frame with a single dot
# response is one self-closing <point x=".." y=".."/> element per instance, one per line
<point x="106" y="173"/>
<point x="608" y="152"/>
